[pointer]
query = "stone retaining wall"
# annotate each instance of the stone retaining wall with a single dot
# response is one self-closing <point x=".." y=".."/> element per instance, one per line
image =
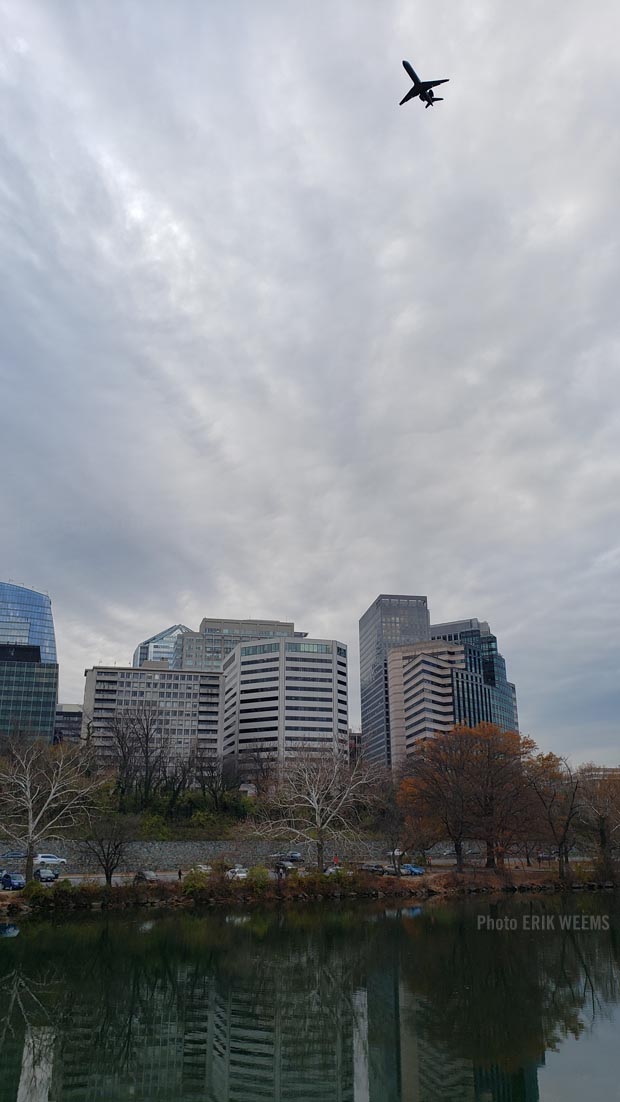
<point x="162" y="856"/>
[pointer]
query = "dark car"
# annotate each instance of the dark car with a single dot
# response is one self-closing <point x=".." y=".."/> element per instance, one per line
<point x="13" y="855"/>
<point x="376" y="870"/>
<point x="145" y="876"/>
<point x="46" y="876"/>
<point x="295" y="857"/>
<point x="13" y="882"/>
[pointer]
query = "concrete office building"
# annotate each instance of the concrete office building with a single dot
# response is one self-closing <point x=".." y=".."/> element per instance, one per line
<point x="432" y="686"/>
<point x="188" y="704"/>
<point x="391" y="620"/>
<point x="207" y="648"/>
<point x="68" y="723"/>
<point x="283" y="696"/>
<point x="160" y="647"/>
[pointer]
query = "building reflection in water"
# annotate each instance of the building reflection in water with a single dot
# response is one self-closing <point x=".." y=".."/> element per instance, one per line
<point x="345" y="1010"/>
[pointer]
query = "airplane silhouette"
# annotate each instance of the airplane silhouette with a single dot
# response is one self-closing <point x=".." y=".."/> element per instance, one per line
<point x="422" y="88"/>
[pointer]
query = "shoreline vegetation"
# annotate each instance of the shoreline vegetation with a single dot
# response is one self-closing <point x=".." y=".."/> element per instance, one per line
<point x="198" y="890"/>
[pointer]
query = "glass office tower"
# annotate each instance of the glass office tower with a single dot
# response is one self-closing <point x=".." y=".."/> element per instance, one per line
<point x="26" y="618"/>
<point x="477" y="634"/>
<point x="391" y="620"/>
<point x="28" y="666"/>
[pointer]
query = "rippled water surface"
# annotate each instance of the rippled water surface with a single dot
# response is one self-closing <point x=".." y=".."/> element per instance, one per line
<point x="337" y="1004"/>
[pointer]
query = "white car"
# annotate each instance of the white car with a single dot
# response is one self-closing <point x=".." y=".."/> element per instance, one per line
<point x="49" y="859"/>
<point x="238" y="873"/>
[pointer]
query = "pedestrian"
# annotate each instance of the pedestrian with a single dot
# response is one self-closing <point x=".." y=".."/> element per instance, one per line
<point x="539" y="858"/>
<point x="180" y="874"/>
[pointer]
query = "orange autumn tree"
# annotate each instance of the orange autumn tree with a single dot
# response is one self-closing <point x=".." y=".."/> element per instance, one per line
<point x="435" y="796"/>
<point x="472" y="783"/>
<point x="501" y="805"/>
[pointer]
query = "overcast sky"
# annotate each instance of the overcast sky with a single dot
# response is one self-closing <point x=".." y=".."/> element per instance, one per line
<point x="272" y="344"/>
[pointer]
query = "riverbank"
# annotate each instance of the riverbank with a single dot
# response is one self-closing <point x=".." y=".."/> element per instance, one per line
<point x="217" y="890"/>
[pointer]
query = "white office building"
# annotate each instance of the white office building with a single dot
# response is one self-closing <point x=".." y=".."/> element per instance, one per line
<point x="285" y="696"/>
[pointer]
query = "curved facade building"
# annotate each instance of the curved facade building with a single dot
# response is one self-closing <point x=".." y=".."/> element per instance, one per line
<point x="28" y="666"/>
<point x="26" y="619"/>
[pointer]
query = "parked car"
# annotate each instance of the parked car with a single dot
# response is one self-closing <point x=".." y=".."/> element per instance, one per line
<point x="337" y="870"/>
<point x="238" y="873"/>
<point x="295" y="857"/>
<point x="13" y="882"/>
<point x="376" y="870"/>
<point x="203" y="868"/>
<point x="412" y="870"/>
<point x="13" y="856"/>
<point x="285" y="866"/>
<point x="49" y="859"/>
<point x="146" y="876"/>
<point x="45" y="876"/>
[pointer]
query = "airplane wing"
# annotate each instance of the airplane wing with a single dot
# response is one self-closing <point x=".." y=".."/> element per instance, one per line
<point x="413" y="91"/>
<point x="411" y="72"/>
<point x="426" y="84"/>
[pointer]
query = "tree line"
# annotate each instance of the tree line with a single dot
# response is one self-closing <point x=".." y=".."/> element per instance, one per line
<point x="471" y="786"/>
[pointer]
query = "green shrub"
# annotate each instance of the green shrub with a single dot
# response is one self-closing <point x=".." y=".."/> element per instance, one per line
<point x="258" y="876"/>
<point x="34" y="892"/>
<point x="195" y="881"/>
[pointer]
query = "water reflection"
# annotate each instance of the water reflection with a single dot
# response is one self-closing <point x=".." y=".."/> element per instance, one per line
<point x="340" y="1006"/>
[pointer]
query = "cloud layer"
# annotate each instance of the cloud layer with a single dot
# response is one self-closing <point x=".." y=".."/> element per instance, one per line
<point x="272" y="345"/>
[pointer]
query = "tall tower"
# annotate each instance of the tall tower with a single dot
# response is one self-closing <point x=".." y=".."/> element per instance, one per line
<point x="28" y="665"/>
<point x="391" y="621"/>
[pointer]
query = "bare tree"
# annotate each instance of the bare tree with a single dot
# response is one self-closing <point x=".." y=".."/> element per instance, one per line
<point x="44" y="791"/>
<point x="259" y="768"/>
<point x="139" y="749"/>
<point x="437" y="793"/>
<point x="558" y="790"/>
<point x="317" y="798"/>
<point x="107" y="839"/>
<point x="216" y="777"/>
<point x="599" y="817"/>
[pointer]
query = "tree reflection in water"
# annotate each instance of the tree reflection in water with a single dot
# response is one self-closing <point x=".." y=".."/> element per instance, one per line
<point x="338" y="1005"/>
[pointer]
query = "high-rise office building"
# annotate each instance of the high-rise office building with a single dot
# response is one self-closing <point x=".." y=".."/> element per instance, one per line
<point x="28" y="664"/>
<point x="185" y="705"/>
<point x="207" y="648"/>
<point x="28" y="692"/>
<point x="283" y="696"/>
<point x="26" y="617"/>
<point x="433" y="687"/>
<point x="391" y="620"/>
<point x="503" y="694"/>
<point x="160" y="647"/>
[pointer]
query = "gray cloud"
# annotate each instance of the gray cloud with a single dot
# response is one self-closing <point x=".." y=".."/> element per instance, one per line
<point x="272" y="344"/>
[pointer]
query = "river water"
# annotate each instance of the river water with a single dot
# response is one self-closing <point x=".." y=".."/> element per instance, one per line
<point x="513" y="1001"/>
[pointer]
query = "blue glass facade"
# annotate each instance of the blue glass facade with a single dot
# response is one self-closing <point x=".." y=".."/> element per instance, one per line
<point x="26" y="618"/>
<point x="28" y="666"/>
<point x="495" y="701"/>
<point x="28" y="692"/>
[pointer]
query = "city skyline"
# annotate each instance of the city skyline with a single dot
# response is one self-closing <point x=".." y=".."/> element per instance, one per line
<point x="272" y="344"/>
